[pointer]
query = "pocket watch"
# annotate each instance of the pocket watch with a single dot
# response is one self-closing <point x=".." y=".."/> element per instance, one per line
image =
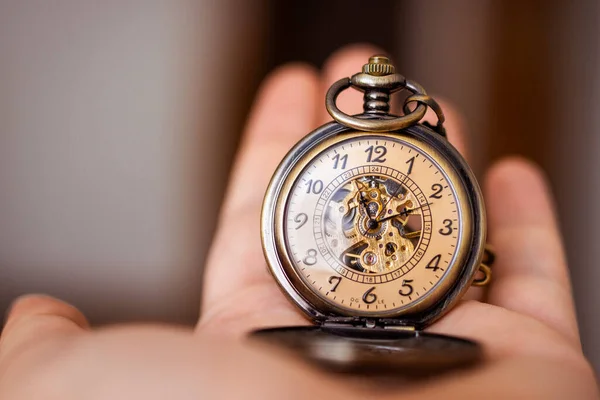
<point x="374" y="226"/>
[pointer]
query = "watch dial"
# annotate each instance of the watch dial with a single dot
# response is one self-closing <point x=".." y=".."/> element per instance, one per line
<point x="372" y="224"/>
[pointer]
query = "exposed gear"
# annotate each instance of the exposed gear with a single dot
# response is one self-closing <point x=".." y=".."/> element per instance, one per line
<point x="364" y="242"/>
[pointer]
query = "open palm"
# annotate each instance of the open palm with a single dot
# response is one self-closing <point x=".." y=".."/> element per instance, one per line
<point x="527" y="325"/>
<point x="529" y="311"/>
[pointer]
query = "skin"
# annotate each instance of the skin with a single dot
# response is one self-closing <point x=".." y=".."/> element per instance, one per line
<point x="528" y="325"/>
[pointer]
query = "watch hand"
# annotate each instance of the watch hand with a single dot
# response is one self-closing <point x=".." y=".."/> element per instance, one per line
<point x="351" y="255"/>
<point x="412" y="235"/>
<point x="405" y="212"/>
<point x="390" y="199"/>
<point x="390" y="217"/>
<point x="362" y="200"/>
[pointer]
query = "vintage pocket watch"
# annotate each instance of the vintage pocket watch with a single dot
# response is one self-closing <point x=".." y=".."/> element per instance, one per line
<point x="374" y="226"/>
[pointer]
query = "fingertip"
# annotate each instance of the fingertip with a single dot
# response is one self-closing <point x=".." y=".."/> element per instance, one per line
<point x="510" y="167"/>
<point x="286" y="100"/>
<point x="36" y="305"/>
<point x="350" y="59"/>
<point x="283" y="78"/>
<point x="517" y="176"/>
<point x="36" y="319"/>
<point x="518" y="187"/>
<point x="288" y="82"/>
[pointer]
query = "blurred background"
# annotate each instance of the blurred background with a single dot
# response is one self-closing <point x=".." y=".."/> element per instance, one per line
<point x="116" y="115"/>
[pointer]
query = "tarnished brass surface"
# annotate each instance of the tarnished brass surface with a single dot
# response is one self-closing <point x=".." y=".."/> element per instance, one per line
<point x="378" y="66"/>
<point x="485" y="267"/>
<point x="486" y="278"/>
<point x="378" y="80"/>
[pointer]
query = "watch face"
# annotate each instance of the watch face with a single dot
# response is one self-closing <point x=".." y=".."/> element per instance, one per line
<point x="372" y="225"/>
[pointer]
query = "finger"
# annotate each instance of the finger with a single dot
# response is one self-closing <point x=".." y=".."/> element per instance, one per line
<point x="34" y="318"/>
<point x="507" y="334"/>
<point x="284" y="113"/>
<point x="342" y="64"/>
<point x="530" y="274"/>
<point x="514" y="378"/>
<point x="157" y="363"/>
<point x="238" y="291"/>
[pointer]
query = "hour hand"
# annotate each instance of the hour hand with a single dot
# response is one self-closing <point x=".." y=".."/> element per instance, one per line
<point x="361" y="199"/>
<point x="412" y="235"/>
<point x="403" y="213"/>
<point x="351" y="256"/>
<point x="392" y="217"/>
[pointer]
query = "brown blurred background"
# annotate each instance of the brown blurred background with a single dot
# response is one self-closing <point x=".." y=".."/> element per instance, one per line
<point x="111" y="113"/>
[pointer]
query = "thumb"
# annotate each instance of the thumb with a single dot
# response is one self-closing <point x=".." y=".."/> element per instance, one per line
<point x="36" y="318"/>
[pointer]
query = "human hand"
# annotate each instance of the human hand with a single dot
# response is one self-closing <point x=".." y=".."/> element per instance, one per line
<point x="528" y="327"/>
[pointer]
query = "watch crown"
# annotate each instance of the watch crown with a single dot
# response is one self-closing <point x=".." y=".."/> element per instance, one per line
<point x="378" y="66"/>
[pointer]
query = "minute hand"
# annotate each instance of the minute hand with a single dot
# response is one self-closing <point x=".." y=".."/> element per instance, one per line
<point x="405" y="212"/>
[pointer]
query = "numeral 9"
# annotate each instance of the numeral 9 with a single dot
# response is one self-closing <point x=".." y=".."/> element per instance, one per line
<point x="301" y="220"/>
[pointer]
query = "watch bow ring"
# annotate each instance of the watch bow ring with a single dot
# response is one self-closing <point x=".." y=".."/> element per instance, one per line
<point x="374" y="226"/>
